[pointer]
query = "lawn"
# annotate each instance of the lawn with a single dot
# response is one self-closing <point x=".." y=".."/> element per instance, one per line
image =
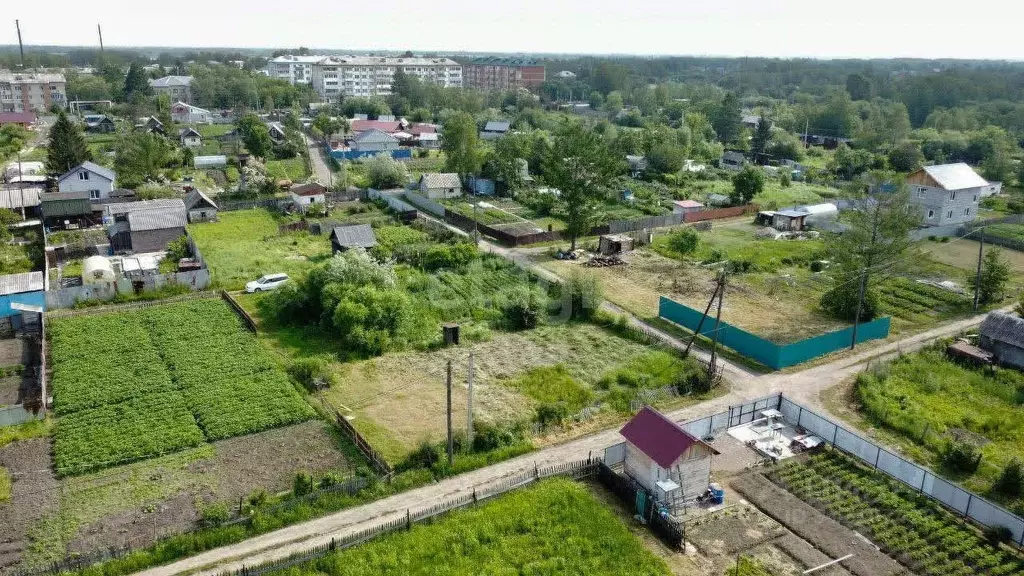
<point x="293" y="169"/>
<point x="195" y="375"/>
<point x="919" y="533"/>
<point x="244" y="245"/>
<point x="925" y="400"/>
<point x="555" y="527"/>
<point x="772" y="197"/>
<point x="210" y="130"/>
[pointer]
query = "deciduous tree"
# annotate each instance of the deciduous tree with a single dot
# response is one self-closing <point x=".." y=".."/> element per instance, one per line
<point x="255" y="136"/>
<point x="746" y="184"/>
<point x="66" y="147"/>
<point x="460" y="143"/>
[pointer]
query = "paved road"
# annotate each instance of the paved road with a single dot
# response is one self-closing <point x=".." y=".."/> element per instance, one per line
<point x="803" y="385"/>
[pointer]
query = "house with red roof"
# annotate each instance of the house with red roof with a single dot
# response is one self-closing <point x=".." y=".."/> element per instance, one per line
<point x="24" y="119"/>
<point x="665" y="459"/>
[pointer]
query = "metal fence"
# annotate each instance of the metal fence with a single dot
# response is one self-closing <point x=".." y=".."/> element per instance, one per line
<point x="393" y="200"/>
<point x="575" y="470"/>
<point x="918" y="478"/>
<point x="18" y="414"/>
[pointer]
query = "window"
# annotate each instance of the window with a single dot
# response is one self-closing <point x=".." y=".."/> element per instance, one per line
<point x="952" y="195"/>
<point x="949" y="214"/>
<point x="975" y="197"/>
<point x="920" y="192"/>
<point x="83" y="175"/>
<point x="94" y="194"/>
<point x="967" y="211"/>
<point x="931" y="213"/>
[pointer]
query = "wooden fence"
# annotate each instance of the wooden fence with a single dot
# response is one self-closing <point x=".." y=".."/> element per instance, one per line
<point x="575" y="470"/>
<point x="380" y="465"/>
<point x="627" y="489"/>
<point x="247" y="320"/>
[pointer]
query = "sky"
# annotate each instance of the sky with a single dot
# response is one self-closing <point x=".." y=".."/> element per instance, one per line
<point x="982" y="29"/>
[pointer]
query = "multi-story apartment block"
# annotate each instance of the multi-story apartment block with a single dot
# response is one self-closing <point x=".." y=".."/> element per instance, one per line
<point x="493" y="73"/>
<point x="177" y="88"/>
<point x="373" y="75"/>
<point x="293" y="69"/>
<point x="947" y="194"/>
<point x="31" y="92"/>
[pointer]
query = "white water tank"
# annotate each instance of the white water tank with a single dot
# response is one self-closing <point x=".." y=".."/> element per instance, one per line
<point x="97" y="270"/>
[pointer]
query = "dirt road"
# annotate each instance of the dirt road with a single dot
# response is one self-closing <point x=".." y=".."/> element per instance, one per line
<point x="316" y="156"/>
<point x="282" y="543"/>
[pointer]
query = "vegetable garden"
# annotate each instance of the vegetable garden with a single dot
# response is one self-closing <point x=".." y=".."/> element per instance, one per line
<point x="138" y="384"/>
<point x="912" y="528"/>
<point x="917" y="303"/>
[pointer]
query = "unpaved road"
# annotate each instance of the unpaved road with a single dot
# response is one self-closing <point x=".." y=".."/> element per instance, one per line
<point x="296" y="539"/>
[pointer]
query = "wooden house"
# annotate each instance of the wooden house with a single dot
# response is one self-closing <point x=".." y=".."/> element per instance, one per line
<point x="352" y="236"/>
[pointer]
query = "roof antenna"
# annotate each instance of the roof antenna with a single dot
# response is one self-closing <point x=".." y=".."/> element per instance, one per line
<point x="21" y="48"/>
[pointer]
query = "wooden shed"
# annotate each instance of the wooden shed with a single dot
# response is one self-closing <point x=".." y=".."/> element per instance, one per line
<point x="660" y="455"/>
<point x="614" y="244"/>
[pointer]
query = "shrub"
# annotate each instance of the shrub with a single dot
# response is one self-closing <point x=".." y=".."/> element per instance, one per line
<point x="549" y="413"/>
<point x="996" y="535"/>
<point x="582" y="291"/>
<point x="426" y="455"/>
<point x="303" y="484"/>
<point x="1011" y="480"/>
<point x="385" y="172"/>
<point x="841" y="302"/>
<point x="684" y="241"/>
<point x="785" y="180"/>
<point x="962" y="457"/>
<point x="313" y="373"/>
<point x="215" y="515"/>
<point x="817" y="266"/>
<point x="523" y="307"/>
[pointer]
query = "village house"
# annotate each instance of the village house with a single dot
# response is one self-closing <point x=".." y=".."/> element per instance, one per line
<point x="185" y="113"/>
<point x="686" y="206"/>
<point x="177" y="88"/>
<point x="145" y="226"/>
<point x="99" y="123"/>
<point x="354" y="235"/>
<point x="306" y="195"/>
<point x="1003" y="335"/>
<point x="23" y="119"/>
<point x="668" y="461"/>
<point x="152" y="125"/>
<point x="190" y="138"/>
<point x="495" y="129"/>
<point x="276" y="131"/>
<point x="947" y="194"/>
<point x="375" y="141"/>
<point x="88" y="177"/>
<point x="200" y="207"/>
<point x="440" y="185"/>
<point x="732" y="160"/>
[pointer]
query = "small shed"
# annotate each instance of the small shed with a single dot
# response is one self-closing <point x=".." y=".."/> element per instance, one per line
<point x="440" y="185"/>
<point x="1003" y="335"/>
<point x="305" y="195"/>
<point x="352" y="236"/>
<point x="686" y="206"/>
<point x="24" y="288"/>
<point x="615" y="244"/>
<point x="65" y="207"/>
<point x="790" y="220"/>
<point x="658" y="449"/>
<point x="200" y="207"/>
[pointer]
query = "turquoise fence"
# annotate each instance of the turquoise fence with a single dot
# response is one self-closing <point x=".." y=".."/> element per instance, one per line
<point x="764" y="351"/>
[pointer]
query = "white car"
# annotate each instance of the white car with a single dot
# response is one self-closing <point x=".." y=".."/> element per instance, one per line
<point x="268" y="282"/>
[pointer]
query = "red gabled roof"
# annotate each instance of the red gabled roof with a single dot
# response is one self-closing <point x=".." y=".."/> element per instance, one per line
<point x="658" y="437"/>
<point x="417" y="129"/>
<point x="17" y="117"/>
<point x="364" y="125"/>
<point x="310" y="189"/>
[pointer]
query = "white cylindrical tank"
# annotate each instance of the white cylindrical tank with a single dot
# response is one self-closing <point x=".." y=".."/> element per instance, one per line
<point x="97" y="270"/>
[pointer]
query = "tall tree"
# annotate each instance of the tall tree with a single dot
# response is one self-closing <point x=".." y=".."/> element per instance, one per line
<point x="136" y="85"/>
<point x="66" y="147"/>
<point x="580" y="165"/>
<point x="141" y="157"/>
<point x="727" y="119"/>
<point x="762" y="138"/>
<point x="460" y="143"/>
<point x="995" y="273"/>
<point x="858" y="86"/>
<point x="746" y="184"/>
<point x="254" y="135"/>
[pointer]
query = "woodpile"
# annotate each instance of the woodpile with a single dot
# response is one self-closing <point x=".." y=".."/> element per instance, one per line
<point x="605" y="261"/>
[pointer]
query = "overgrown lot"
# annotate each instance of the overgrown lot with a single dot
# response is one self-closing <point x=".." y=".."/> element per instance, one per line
<point x="919" y="533"/>
<point x="932" y="406"/>
<point x="135" y="384"/>
<point x="556" y="527"/>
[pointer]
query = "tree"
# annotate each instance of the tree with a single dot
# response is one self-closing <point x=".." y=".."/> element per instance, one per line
<point x="510" y="152"/>
<point x="906" y="157"/>
<point x="1011" y="480"/>
<point x="858" y="86"/>
<point x="385" y="172"/>
<point x="140" y="157"/>
<point x="995" y="273"/>
<point x="665" y="158"/>
<point x="255" y="136"/>
<point x="460" y="143"/>
<point x="727" y="119"/>
<point x="580" y="165"/>
<point x="136" y="85"/>
<point x="613" y="104"/>
<point x="684" y="241"/>
<point x="875" y="236"/>
<point x="762" y="138"/>
<point x="66" y="147"/>
<point x="746" y="184"/>
<point x="848" y="163"/>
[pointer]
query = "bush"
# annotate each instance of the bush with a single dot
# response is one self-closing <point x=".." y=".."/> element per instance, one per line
<point x="961" y="457"/>
<point x="841" y="302"/>
<point x="524" y="307"/>
<point x="426" y="455"/>
<point x="996" y="535"/>
<point x="549" y="413"/>
<point x="785" y="180"/>
<point x="385" y="172"/>
<point x="1011" y="480"/>
<point x="582" y="292"/>
<point x="817" y="266"/>
<point x="312" y="373"/>
<point x="684" y="241"/>
<point x="214" y="515"/>
<point x="303" y="484"/>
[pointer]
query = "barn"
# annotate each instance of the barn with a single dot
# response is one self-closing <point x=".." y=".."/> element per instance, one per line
<point x="1003" y="335"/>
<point x="670" y="462"/>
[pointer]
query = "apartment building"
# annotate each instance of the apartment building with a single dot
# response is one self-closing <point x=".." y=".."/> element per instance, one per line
<point x="494" y="73"/>
<point x="293" y="69"/>
<point x="31" y="92"/>
<point x="177" y="88"/>
<point x="373" y="75"/>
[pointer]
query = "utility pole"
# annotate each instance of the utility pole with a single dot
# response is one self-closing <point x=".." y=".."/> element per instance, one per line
<point x="451" y="441"/>
<point x="21" y="188"/>
<point x="21" y="49"/>
<point x="99" y="31"/>
<point x="700" y="324"/>
<point x="864" y="276"/>
<point x="469" y="404"/>
<point x="718" y="327"/>
<point x="977" y="279"/>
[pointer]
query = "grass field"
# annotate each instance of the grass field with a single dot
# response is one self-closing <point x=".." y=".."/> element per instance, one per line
<point x="925" y="400"/>
<point x="293" y="169"/>
<point x="919" y="533"/>
<point x="556" y="527"/>
<point x="1010" y="231"/>
<point x="195" y="375"/>
<point x="211" y="130"/>
<point x="772" y="195"/>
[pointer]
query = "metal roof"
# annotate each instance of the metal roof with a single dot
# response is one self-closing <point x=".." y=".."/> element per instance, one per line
<point x="156" y="219"/>
<point x="308" y="189"/>
<point x="160" y="204"/>
<point x="358" y="125"/>
<point x="504" y="61"/>
<point x="18" y="283"/>
<point x="1004" y="328"/>
<point x="661" y="439"/>
<point x="497" y="126"/>
<point x="17" y="118"/>
<point x="688" y="204"/>
<point x="354" y="235"/>
<point x="955" y="176"/>
<point x="441" y="180"/>
<point x="12" y="198"/>
<point x="91" y="167"/>
<point x="375" y="135"/>
<point x="195" y="197"/>
<point x="167" y="81"/>
<point x="190" y="131"/>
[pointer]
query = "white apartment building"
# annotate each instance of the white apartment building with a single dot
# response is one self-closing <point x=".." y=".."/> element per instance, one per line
<point x="372" y="75"/>
<point x="293" y="69"/>
<point x="31" y="91"/>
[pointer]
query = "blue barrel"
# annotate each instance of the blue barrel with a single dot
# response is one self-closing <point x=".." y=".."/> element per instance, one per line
<point x="717" y="493"/>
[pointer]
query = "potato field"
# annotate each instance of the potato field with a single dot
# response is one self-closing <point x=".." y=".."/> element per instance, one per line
<point x="137" y="384"/>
